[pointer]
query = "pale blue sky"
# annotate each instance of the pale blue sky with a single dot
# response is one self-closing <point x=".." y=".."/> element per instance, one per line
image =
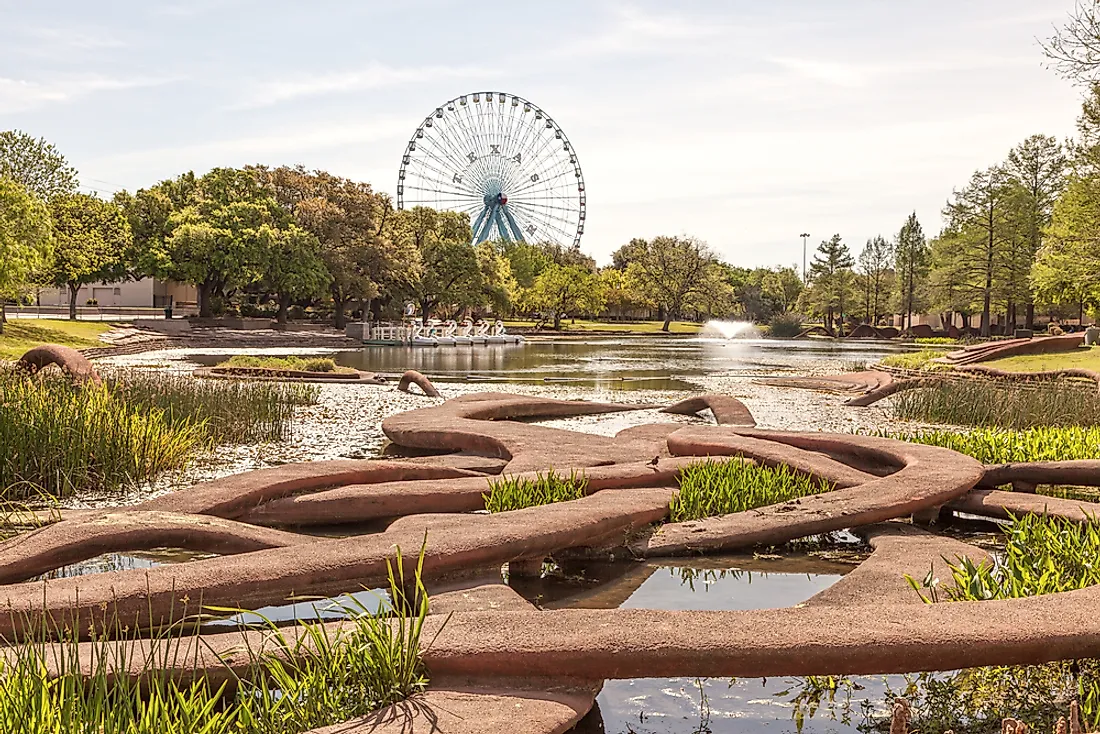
<point x="741" y="122"/>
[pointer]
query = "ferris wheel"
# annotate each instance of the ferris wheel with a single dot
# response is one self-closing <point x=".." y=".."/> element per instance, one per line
<point x="503" y="161"/>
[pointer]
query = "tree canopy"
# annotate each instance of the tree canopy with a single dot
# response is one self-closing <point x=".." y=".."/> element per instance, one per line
<point x="35" y="164"/>
<point x="92" y="237"/>
<point x="26" y="240"/>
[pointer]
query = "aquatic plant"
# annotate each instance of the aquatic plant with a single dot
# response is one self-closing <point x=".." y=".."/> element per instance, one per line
<point x="1005" y="446"/>
<point x="975" y="402"/>
<point x="321" y="678"/>
<point x="920" y="360"/>
<point x="229" y="411"/>
<point x="785" y="325"/>
<point x="1042" y="555"/>
<point x="301" y="364"/>
<point x="714" y="488"/>
<point x="515" y="492"/>
<point x="57" y="439"/>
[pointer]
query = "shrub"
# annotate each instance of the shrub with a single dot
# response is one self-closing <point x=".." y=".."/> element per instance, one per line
<point x="515" y="493"/>
<point x="299" y="364"/>
<point x="723" y="487"/>
<point x="785" y="325"/>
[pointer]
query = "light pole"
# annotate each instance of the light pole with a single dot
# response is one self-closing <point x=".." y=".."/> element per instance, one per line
<point x="805" y="236"/>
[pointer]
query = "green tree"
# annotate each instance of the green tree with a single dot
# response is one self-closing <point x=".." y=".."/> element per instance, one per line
<point x="220" y="234"/>
<point x="292" y="265"/>
<point x="1067" y="269"/>
<point x="876" y="270"/>
<point x="1037" y="168"/>
<point x="36" y="164"/>
<point x="670" y="271"/>
<point x="91" y="240"/>
<point x="912" y="259"/>
<point x="26" y="241"/>
<point x="783" y="286"/>
<point x="978" y="213"/>
<point x="449" y="272"/>
<point x="348" y="219"/>
<point x="564" y="289"/>
<point x="947" y="282"/>
<point x="832" y="279"/>
<point x="619" y="293"/>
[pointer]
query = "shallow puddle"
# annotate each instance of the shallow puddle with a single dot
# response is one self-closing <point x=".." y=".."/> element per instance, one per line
<point x="133" y="561"/>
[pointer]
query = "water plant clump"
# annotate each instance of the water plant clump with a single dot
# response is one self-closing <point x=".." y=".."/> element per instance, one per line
<point x="976" y="402"/>
<point x="1005" y="446"/>
<point x="516" y="492"/>
<point x="1042" y="555"/>
<point x="316" y="678"/>
<point x="57" y="439"/>
<point x="229" y="411"/>
<point x="920" y="360"/>
<point x="299" y="364"/>
<point x="716" y="488"/>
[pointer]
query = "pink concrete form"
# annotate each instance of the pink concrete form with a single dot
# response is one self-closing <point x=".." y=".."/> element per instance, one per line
<point x="497" y="664"/>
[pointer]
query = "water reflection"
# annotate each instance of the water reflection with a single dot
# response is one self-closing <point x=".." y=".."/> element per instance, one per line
<point x="657" y="363"/>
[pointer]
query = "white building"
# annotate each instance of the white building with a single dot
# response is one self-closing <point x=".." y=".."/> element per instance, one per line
<point x="136" y="294"/>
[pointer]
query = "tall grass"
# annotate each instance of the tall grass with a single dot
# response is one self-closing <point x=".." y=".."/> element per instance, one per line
<point x="317" y="679"/>
<point x="57" y="439"/>
<point x="515" y="493"/>
<point x="723" y="487"/>
<point x="1004" y="446"/>
<point x="1042" y="555"/>
<point x="230" y="411"/>
<point x="977" y="402"/>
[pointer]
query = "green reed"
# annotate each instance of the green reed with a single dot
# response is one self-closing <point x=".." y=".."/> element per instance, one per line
<point x="975" y="402"/>
<point x="722" y="487"/>
<point x="57" y="439"/>
<point x="1005" y="446"/>
<point x="919" y="360"/>
<point x="516" y="492"/>
<point x="1042" y="555"/>
<point x="319" y="677"/>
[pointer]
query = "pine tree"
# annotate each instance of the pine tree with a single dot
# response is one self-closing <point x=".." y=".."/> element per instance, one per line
<point x="911" y="262"/>
<point x="831" y="274"/>
<point x="874" y="265"/>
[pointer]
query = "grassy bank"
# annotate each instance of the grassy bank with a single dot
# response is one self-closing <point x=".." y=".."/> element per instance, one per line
<point x="334" y="677"/>
<point x="22" y="334"/>
<point x="58" y="440"/>
<point x="1003" y="446"/>
<point x="921" y="360"/>
<point x="516" y="493"/>
<point x="1081" y="358"/>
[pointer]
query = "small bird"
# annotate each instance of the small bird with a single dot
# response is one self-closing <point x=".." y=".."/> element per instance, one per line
<point x="652" y="464"/>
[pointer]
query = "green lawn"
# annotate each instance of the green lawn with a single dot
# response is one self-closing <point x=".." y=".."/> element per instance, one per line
<point x="1087" y="358"/>
<point x="22" y="334"/>
<point x="636" y="327"/>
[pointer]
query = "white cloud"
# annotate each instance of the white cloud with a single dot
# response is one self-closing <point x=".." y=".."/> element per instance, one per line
<point x="21" y="95"/>
<point x="372" y="76"/>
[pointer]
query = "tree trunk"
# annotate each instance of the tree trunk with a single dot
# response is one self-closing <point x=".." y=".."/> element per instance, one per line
<point x="425" y="310"/>
<point x="74" y="291"/>
<point x="668" y="321"/>
<point x="557" y="320"/>
<point x="1030" y="315"/>
<point x="339" y="317"/>
<point x="204" y="300"/>
<point x="3" y="316"/>
<point x="284" y="307"/>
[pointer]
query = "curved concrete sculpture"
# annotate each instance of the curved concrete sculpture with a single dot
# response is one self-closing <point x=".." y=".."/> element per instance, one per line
<point x="71" y="362"/>
<point x="988" y="351"/>
<point x="497" y="658"/>
<point x="412" y="377"/>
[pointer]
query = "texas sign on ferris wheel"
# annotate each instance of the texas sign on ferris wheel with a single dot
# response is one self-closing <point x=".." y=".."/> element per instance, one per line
<point x="503" y="161"/>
